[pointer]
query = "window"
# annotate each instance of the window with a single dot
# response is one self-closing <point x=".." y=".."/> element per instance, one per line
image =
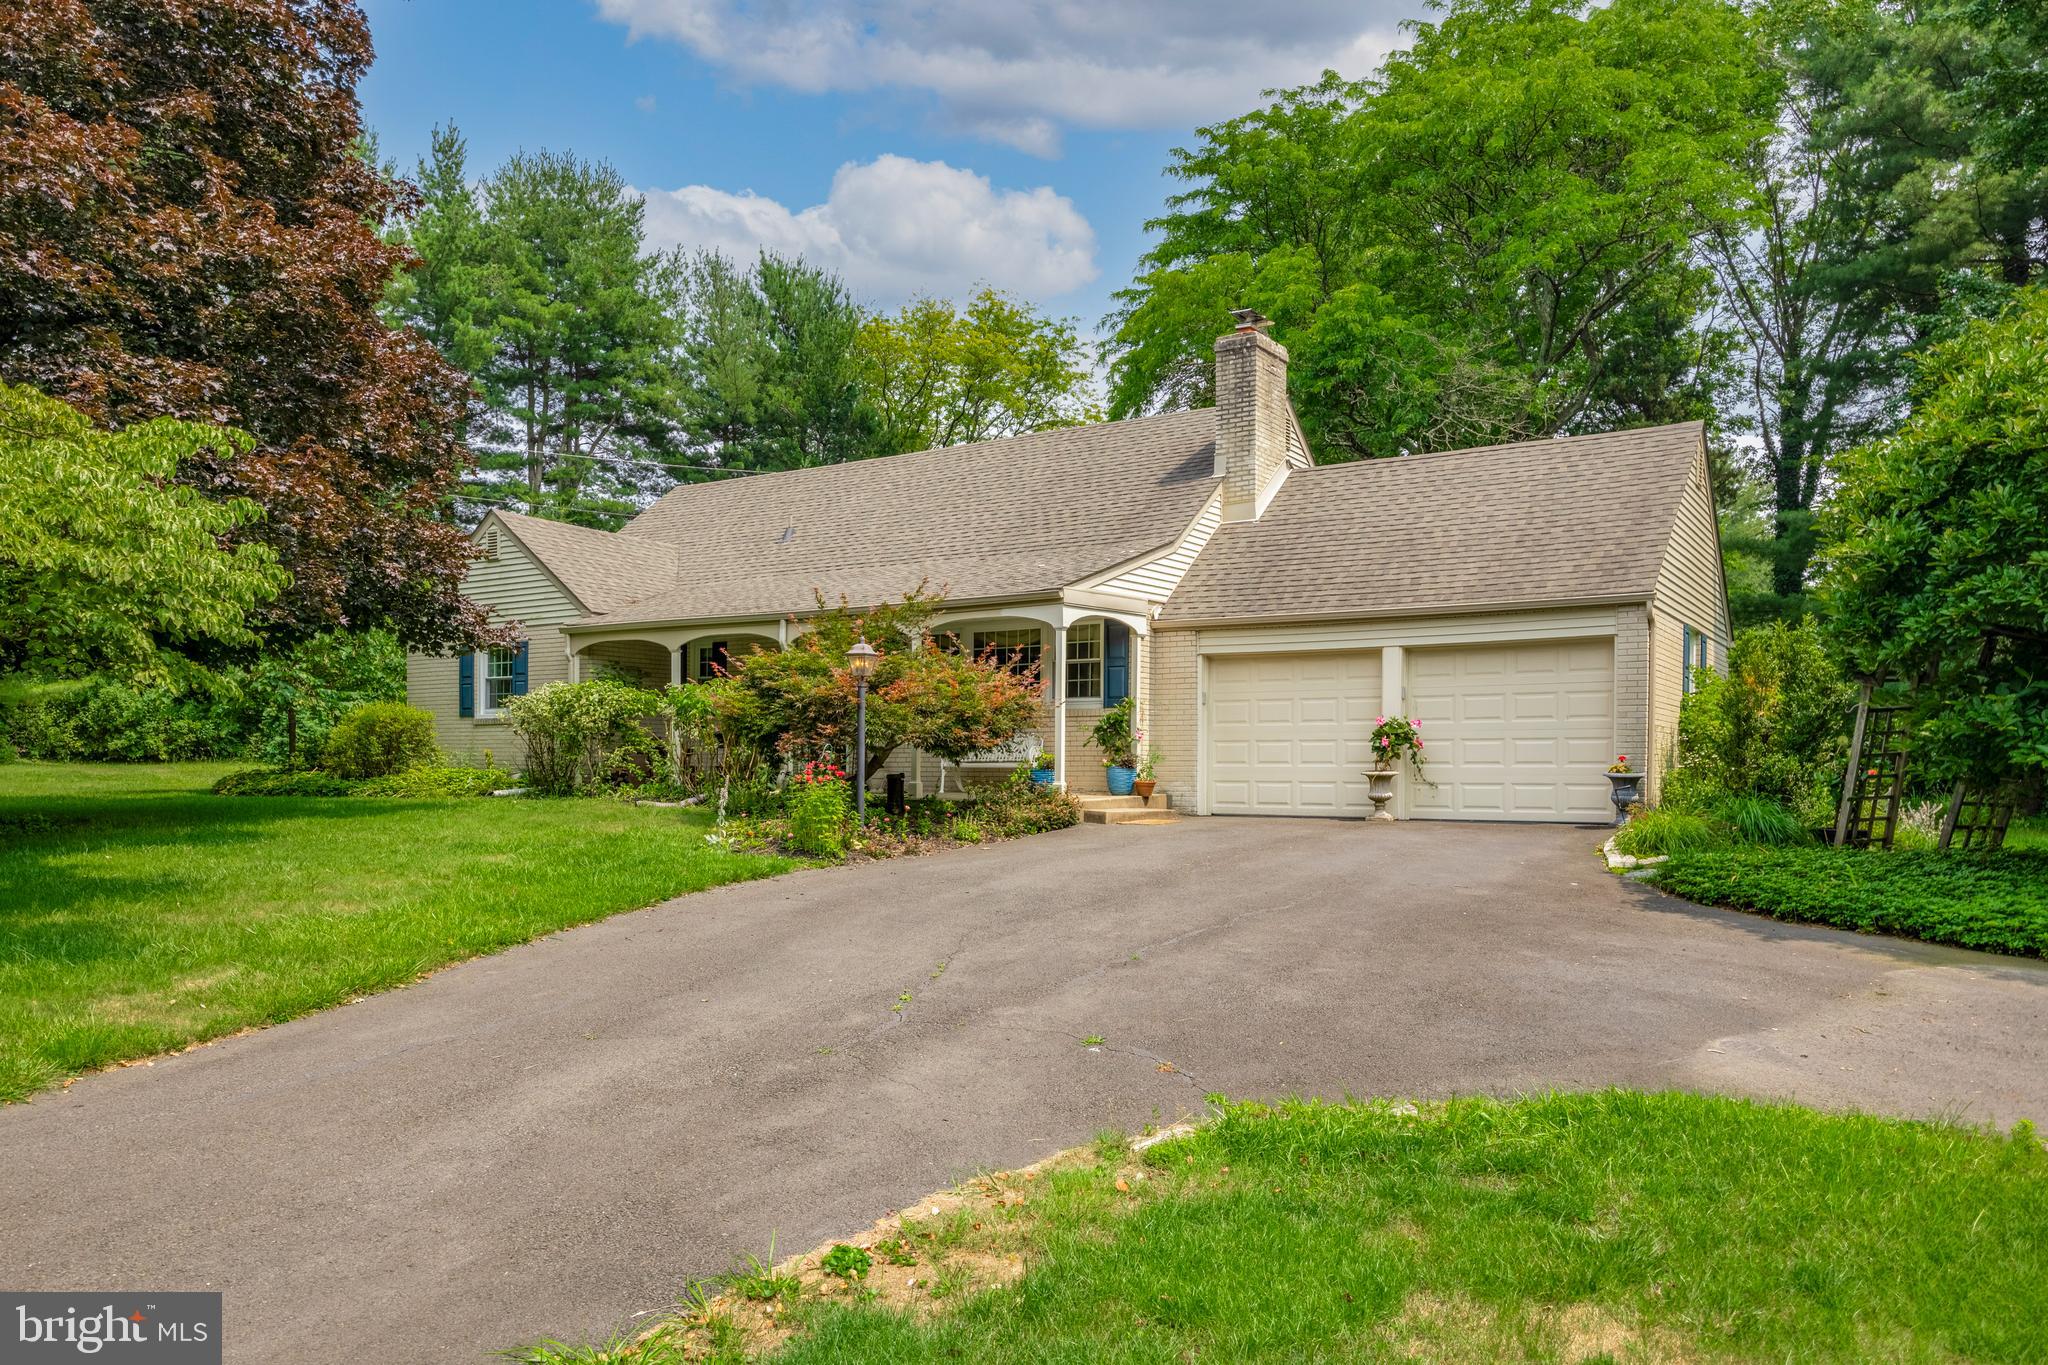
<point x="1084" y="662"/>
<point x="1692" y="658"/>
<point x="712" y="659"/>
<point x="1017" y="650"/>
<point x="500" y="669"/>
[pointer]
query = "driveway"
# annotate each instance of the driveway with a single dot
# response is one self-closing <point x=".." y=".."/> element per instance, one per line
<point x="557" y="1138"/>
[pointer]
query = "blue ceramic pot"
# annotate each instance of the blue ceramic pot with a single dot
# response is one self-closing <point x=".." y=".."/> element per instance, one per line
<point x="1041" y="777"/>
<point x="1120" y="780"/>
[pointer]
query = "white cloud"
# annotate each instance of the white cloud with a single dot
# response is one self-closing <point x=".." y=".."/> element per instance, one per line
<point x="893" y="227"/>
<point x="644" y="103"/>
<point x="1020" y="71"/>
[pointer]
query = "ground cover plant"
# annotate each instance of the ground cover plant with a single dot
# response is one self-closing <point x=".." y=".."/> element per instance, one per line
<point x="1611" y="1225"/>
<point x="139" y="913"/>
<point x="1993" y="901"/>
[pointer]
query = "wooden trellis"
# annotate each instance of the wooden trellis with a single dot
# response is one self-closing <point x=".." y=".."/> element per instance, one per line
<point x="1876" y="776"/>
<point x="1976" y="820"/>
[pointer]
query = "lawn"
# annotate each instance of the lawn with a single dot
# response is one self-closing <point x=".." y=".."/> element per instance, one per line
<point x="1614" y="1226"/>
<point x="1996" y="902"/>
<point x="139" y="913"/>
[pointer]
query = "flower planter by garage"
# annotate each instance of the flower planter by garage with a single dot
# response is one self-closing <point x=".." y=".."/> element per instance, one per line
<point x="1143" y="787"/>
<point x="1379" y="785"/>
<point x="1121" y="780"/>
<point x="1627" y="789"/>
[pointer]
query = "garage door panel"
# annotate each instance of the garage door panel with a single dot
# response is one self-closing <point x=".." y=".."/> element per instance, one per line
<point x="1302" y="737"/>
<point x="1516" y="731"/>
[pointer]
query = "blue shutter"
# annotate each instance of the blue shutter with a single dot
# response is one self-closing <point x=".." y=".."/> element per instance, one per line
<point x="519" y="670"/>
<point x="1116" y="662"/>
<point x="1685" y="665"/>
<point x="466" y="703"/>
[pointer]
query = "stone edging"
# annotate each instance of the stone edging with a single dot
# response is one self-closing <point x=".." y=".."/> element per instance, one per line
<point x="1628" y="863"/>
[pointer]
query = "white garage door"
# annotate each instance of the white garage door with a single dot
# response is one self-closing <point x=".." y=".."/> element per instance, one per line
<point x="1290" y="734"/>
<point x="1514" y="732"/>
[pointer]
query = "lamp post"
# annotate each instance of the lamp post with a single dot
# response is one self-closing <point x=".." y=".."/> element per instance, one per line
<point x="860" y="661"/>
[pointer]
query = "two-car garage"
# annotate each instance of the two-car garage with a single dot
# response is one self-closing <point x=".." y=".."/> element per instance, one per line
<point x="1513" y="731"/>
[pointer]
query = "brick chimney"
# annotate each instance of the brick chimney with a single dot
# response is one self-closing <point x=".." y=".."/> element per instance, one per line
<point x="1253" y="418"/>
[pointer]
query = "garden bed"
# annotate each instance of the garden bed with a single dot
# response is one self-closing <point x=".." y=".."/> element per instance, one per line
<point x="1997" y="902"/>
<point x="1012" y="810"/>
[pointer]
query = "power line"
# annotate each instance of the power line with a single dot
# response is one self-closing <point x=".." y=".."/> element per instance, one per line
<point x="641" y="464"/>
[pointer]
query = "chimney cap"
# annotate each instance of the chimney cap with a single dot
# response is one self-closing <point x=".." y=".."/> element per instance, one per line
<point x="1250" y="319"/>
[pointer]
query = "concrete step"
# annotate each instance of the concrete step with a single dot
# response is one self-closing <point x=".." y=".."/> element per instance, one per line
<point x="1128" y="815"/>
<point x="1099" y="801"/>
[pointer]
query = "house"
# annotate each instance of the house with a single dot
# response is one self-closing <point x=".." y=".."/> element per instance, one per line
<point x="1538" y="607"/>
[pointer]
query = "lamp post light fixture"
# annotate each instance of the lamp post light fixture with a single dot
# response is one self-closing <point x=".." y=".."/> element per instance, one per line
<point x="860" y="661"/>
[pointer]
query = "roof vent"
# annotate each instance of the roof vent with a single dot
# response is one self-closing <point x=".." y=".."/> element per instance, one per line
<point x="788" y="535"/>
<point x="489" y="543"/>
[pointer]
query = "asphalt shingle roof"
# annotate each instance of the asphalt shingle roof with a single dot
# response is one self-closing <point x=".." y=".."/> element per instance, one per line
<point x="604" y="569"/>
<point x="1580" y="518"/>
<point x="997" y="519"/>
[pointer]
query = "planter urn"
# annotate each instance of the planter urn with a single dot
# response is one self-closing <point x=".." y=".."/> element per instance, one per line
<point x="1143" y="787"/>
<point x="1042" y="777"/>
<point x="1380" y="787"/>
<point x="1121" y="780"/>
<point x="1627" y="789"/>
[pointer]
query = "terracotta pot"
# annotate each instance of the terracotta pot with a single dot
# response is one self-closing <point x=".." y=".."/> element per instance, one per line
<point x="1143" y="787"/>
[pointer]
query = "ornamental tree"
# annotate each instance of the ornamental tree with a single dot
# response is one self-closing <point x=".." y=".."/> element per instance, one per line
<point x="802" y="700"/>
<point x="1936" y="558"/>
<point x="105" y="561"/>
<point x="188" y="228"/>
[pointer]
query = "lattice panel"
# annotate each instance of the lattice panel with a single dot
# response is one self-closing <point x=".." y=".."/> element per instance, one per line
<point x="1976" y="820"/>
<point x="1880" y="780"/>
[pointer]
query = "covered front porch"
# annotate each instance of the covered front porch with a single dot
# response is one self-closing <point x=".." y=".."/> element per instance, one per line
<point x="1088" y="655"/>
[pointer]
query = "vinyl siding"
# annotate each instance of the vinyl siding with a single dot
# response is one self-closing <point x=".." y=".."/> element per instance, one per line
<point x="1155" y="579"/>
<point x="1689" y="593"/>
<point x="515" y="588"/>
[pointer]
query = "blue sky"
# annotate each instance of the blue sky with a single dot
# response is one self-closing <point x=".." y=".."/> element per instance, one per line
<point x="913" y="145"/>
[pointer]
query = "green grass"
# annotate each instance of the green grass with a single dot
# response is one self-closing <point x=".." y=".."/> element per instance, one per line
<point x="138" y="913"/>
<point x="1997" y="902"/>
<point x="1613" y="1226"/>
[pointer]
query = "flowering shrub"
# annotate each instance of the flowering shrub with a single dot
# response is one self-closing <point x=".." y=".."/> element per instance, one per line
<point x="1395" y="738"/>
<point x="818" y="800"/>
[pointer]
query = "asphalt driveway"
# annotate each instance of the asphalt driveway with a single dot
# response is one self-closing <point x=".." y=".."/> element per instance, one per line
<point x="555" y="1139"/>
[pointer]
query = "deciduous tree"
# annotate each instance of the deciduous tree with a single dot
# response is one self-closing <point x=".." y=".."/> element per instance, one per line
<point x="1490" y="239"/>
<point x="940" y="376"/>
<point x="802" y="700"/>
<point x="1936" y="548"/>
<point x="105" y="560"/>
<point x="187" y="230"/>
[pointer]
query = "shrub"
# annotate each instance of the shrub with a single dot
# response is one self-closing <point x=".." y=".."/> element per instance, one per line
<point x="1775" y="726"/>
<point x="570" y="729"/>
<point x="273" y="782"/>
<point x="1018" y="808"/>
<point x="1112" y="735"/>
<point x="378" y="739"/>
<point x="1755" y="820"/>
<point x="1997" y="902"/>
<point x="819" y="800"/>
<point x="439" y="782"/>
<point x="1656" y="833"/>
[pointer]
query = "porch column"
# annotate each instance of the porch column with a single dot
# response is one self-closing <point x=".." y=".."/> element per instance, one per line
<point x="575" y="664"/>
<point x="1059" y="706"/>
<point x="1137" y="686"/>
<point x="675" y="665"/>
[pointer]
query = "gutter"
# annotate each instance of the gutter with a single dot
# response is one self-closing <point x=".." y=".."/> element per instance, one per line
<point x="1282" y="618"/>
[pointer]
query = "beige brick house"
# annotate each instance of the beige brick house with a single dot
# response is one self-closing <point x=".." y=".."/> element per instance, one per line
<point x="1537" y="607"/>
